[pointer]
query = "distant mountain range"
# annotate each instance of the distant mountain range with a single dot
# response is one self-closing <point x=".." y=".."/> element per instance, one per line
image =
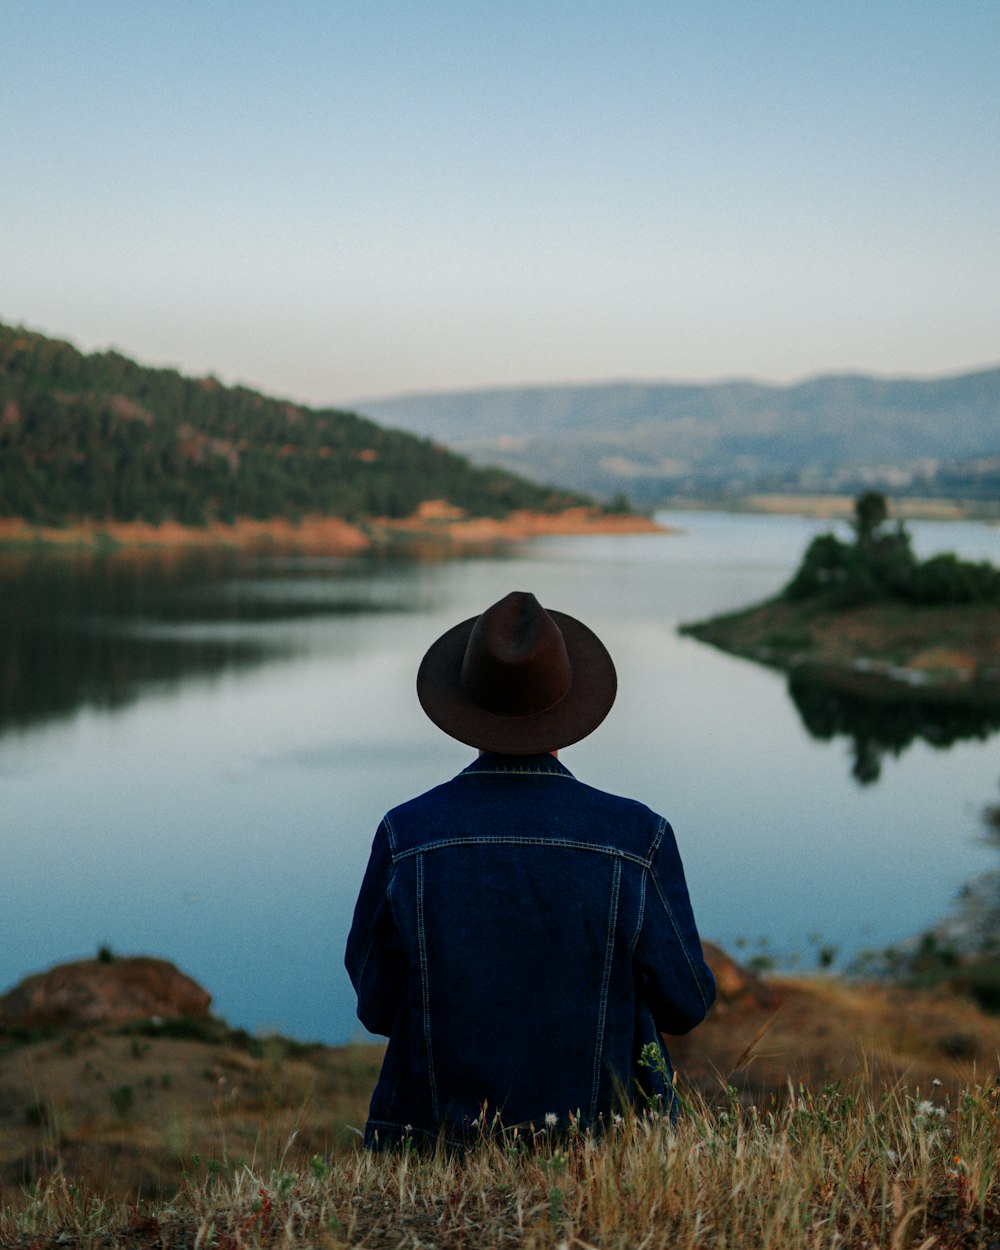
<point x="657" y="441"/>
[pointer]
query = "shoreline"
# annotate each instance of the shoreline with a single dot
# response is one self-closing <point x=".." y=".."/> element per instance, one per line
<point x="841" y="507"/>
<point x="435" y="528"/>
<point x="886" y="652"/>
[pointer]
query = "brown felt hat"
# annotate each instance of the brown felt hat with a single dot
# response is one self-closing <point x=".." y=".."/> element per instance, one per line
<point x="520" y="679"/>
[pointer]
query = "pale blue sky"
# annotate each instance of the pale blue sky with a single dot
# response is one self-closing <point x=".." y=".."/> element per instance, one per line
<point x="331" y="200"/>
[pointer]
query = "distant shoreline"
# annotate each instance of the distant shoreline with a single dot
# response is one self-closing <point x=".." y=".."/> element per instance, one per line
<point x="837" y="507"/>
<point x="436" y="529"/>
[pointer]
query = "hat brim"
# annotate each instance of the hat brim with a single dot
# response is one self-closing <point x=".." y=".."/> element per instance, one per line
<point x="578" y="712"/>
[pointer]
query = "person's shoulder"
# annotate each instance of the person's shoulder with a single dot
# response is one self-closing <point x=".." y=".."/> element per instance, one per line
<point x="627" y="820"/>
<point x="612" y="799"/>
<point x="435" y="795"/>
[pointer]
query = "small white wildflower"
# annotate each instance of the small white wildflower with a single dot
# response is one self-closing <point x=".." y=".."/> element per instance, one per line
<point x="892" y="1156"/>
<point x="551" y="1119"/>
<point x="925" y="1108"/>
<point x="618" y="1120"/>
<point x="936" y="1081"/>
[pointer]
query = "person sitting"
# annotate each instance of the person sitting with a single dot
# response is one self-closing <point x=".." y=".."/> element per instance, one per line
<point x="520" y="937"/>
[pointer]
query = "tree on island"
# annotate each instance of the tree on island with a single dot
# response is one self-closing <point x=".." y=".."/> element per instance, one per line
<point x="880" y="565"/>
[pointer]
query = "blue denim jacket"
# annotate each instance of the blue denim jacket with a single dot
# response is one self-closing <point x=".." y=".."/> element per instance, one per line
<point x="519" y="938"/>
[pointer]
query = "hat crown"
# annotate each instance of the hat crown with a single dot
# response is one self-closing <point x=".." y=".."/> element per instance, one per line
<point x="519" y="679"/>
<point x="516" y="662"/>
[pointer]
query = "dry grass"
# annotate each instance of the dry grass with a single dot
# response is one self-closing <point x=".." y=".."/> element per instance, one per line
<point x="819" y="1115"/>
<point x="842" y="1167"/>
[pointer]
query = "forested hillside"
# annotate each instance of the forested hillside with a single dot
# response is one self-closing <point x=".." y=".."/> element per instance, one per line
<point x="101" y="437"/>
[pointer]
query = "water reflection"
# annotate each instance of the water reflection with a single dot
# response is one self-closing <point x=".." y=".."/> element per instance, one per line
<point x="878" y="728"/>
<point x="97" y="630"/>
<point x="226" y="827"/>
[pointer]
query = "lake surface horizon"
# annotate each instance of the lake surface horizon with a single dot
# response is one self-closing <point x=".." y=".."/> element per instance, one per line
<point x="194" y="755"/>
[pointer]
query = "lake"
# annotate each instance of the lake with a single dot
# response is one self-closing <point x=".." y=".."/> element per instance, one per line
<point x="195" y="752"/>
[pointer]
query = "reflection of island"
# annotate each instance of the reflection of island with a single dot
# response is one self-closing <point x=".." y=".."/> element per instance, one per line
<point x="881" y="727"/>
<point x="877" y="644"/>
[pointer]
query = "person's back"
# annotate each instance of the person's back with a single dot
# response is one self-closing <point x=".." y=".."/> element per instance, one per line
<point x="520" y="937"/>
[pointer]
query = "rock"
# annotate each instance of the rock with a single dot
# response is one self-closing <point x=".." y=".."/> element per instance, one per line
<point x="95" y="992"/>
<point x="737" y="986"/>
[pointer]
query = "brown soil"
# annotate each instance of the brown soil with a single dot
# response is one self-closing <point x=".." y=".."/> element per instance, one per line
<point x="437" y="526"/>
<point x="818" y="1029"/>
<point x="126" y="1112"/>
<point x="884" y="649"/>
<point x="121" y="1111"/>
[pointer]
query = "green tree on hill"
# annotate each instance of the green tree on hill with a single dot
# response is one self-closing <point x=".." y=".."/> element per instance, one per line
<point x="104" y="438"/>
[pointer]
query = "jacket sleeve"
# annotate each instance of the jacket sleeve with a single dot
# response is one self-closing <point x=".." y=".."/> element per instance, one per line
<point x="374" y="958"/>
<point x="670" y="969"/>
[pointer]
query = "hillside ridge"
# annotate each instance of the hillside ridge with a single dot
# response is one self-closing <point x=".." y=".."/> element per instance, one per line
<point x="101" y="437"/>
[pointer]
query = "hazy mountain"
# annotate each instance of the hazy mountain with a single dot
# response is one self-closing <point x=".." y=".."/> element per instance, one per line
<point x="660" y="440"/>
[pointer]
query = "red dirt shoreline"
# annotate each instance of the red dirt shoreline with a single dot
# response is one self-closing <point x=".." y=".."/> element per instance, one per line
<point x="436" y="526"/>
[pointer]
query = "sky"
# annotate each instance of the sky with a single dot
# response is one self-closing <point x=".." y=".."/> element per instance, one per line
<point x="338" y="199"/>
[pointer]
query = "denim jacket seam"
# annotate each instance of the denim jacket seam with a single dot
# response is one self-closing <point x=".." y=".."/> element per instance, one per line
<point x="390" y="832"/>
<point x="370" y="944"/>
<point x="598" y="848"/>
<point x="680" y="940"/>
<point x="425" y="987"/>
<point x="602" y="1011"/>
<point x="661" y="829"/>
<point x="388" y="891"/>
<point x="364" y="965"/>
<point x="641" y="916"/>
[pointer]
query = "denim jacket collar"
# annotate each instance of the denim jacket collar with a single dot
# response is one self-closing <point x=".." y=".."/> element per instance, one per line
<point x="493" y="764"/>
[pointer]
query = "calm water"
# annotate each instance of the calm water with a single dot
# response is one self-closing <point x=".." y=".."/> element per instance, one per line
<point x="194" y="755"/>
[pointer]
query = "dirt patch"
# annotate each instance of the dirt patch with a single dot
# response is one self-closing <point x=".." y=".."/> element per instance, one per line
<point x="951" y="652"/>
<point x="312" y="535"/>
<point x="133" y="1110"/>
<point x="824" y="1030"/>
<point x="440" y="527"/>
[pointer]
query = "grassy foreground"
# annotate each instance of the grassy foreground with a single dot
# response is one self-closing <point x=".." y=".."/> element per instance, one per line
<point x="840" y="1167"/>
<point x="819" y="1114"/>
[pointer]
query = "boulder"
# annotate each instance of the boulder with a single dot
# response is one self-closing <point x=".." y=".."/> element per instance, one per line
<point x="737" y="986"/>
<point x="97" y="992"/>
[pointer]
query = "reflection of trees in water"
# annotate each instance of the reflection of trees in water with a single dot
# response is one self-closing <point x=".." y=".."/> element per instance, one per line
<point x="879" y="727"/>
<point x="74" y="629"/>
<point x="64" y="640"/>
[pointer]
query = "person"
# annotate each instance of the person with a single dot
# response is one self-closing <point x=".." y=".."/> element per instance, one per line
<point x="521" y="938"/>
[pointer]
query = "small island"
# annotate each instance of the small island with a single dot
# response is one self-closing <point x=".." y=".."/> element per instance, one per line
<point x="867" y="618"/>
